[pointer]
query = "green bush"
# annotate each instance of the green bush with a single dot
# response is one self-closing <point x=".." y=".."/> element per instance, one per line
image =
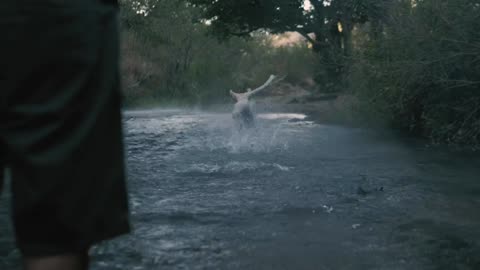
<point x="423" y="72"/>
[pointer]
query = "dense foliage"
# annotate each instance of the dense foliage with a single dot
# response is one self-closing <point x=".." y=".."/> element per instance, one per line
<point x="169" y="57"/>
<point x="423" y="72"/>
<point x="327" y="25"/>
<point x="416" y="61"/>
<point x="413" y="63"/>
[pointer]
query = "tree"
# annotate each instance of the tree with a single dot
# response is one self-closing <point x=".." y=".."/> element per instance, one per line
<point x="327" y="25"/>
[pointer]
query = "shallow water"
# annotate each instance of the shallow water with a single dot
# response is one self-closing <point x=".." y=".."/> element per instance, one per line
<point x="290" y="194"/>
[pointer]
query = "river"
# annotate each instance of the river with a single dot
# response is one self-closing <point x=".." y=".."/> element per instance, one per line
<point x="289" y="194"/>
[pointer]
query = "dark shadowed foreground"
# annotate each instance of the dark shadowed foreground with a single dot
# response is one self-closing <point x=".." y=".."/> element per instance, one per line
<point x="290" y="194"/>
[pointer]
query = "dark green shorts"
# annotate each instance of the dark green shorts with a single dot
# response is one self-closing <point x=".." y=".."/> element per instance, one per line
<point x="60" y="123"/>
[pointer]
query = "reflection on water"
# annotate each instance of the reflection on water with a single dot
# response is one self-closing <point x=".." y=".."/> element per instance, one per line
<point x="288" y="194"/>
<point x="288" y="116"/>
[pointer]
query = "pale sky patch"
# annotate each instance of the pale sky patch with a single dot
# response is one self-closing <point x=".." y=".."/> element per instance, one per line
<point x="287" y="39"/>
<point x="307" y="5"/>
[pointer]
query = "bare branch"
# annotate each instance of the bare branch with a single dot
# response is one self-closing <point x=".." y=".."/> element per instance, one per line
<point x="265" y="85"/>
<point x="307" y="37"/>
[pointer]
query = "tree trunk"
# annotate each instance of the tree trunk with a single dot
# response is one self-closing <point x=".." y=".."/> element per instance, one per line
<point x="347" y="41"/>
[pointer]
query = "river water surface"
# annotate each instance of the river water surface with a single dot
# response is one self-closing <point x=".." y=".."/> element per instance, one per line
<point x="289" y="194"/>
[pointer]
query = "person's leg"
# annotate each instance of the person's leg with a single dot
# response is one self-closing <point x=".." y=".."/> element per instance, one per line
<point x="60" y="262"/>
<point x="63" y="129"/>
<point x="2" y="172"/>
<point x="74" y="261"/>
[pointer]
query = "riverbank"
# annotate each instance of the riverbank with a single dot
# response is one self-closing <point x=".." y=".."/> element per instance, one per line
<point x="325" y="108"/>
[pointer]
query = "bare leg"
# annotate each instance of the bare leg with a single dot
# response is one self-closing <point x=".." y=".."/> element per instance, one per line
<point x="60" y="262"/>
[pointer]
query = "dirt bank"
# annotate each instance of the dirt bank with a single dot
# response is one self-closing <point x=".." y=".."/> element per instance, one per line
<point x="339" y="108"/>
